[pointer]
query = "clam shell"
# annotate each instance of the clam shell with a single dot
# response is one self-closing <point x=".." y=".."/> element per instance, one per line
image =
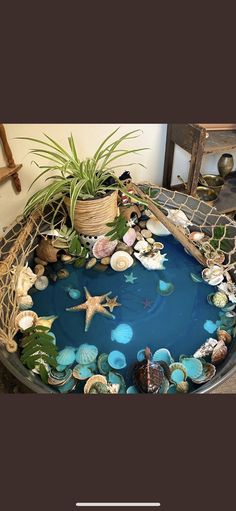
<point x="219" y="353"/>
<point x="178" y="217"/>
<point x="117" y="360"/>
<point x="196" y="236"/>
<point x="115" y="378"/>
<point x="213" y="275"/>
<point x="41" y="283"/>
<point x="193" y="367"/>
<point x="82" y="372"/>
<point x="121" y="261"/>
<point x="224" y="336"/>
<point x="25" y="302"/>
<point x="157" y="227"/>
<point x="142" y="246"/>
<point x="129" y="237"/>
<point x="46" y="251"/>
<point x="25" y="319"/>
<point x="132" y="390"/>
<point x="182" y="387"/>
<point x="66" y="357"/>
<point x="208" y="371"/>
<point x="162" y="355"/>
<point x="178" y="372"/>
<point x="103" y="365"/>
<point x="58" y="378"/>
<point x="96" y="378"/>
<point x="103" y="247"/>
<point x="86" y="354"/>
<point x="69" y="386"/>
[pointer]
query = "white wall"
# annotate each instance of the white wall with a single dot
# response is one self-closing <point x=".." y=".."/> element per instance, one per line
<point x="88" y="137"/>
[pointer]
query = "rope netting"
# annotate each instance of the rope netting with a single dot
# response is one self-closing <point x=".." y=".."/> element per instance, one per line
<point x="20" y="240"/>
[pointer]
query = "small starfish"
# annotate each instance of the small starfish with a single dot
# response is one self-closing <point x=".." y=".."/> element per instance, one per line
<point x="147" y="303"/>
<point x="111" y="303"/>
<point x="130" y="278"/>
<point x="92" y="305"/>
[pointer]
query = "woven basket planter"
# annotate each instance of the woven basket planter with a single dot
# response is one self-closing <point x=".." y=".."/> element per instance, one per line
<point x="91" y="216"/>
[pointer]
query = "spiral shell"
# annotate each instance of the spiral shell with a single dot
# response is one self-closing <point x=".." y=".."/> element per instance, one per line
<point x="121" y="261"/>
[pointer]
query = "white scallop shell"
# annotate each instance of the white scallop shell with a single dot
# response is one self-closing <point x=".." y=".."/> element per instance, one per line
<point x="213" y="275"/>
<point x="178" y="217"/>
<point x="156" y="227"/>
<point x="141" y="246"/>
<point x="121" y="261"/>
<point x="25" y="320"/>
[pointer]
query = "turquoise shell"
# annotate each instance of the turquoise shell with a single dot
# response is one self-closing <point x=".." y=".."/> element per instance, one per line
<point x="74" y="293"/>
<point x="114" y="377"/>
<point x="86" y="354"/>
<point x="82" y="372"/>
<point x="141" y="355"/>
<point x="123" y="333"/>
<point x="103" y="365"/>
<point x="196" y="278"/>
<point x="66" y="357"/>
<point x="193" y="367"/>
<point x="117" y="360"/>
<point x="162" y="355"/>
<point x="165" y="288"/>
<point x="178" y="372"/>
<point x="68" y="387"/>
<point x="52" y="335"/>
<point x="208" y="372"/>
<point x="172" y="389"/>
<point x="132" y="390"/>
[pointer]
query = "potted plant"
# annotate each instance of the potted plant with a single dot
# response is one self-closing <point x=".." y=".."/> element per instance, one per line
<point x="87" y="187"/>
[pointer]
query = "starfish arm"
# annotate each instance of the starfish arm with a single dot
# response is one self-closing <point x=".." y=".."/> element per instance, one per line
<point x="87" y="293"/>
<point x="89" y="316"/>
<point x="80" y="307"/>
<point x="104" y="297"/>
<point x="103" y="311"/>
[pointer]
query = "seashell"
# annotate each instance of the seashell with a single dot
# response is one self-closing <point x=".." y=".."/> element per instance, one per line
<point x="172" y="389"/>
<point x="39" y="270"/>
<point x="217" y="258"/>
<point x="58" y="378"/>
<point x="104" y="247"/>
<point x="86" y="354"/>
<point x="117" y="360"/>
<point x="63" y="274"/>
<point x="41" y="283"/>
<point x="141" y="355"/>
<point x="46" y="321"/>
<point x="152" y="261"/>
<point x="129" y="237"/>
<point x="178" y="372"/>
<point x="115" y="378"/>
<point x="178" y="217"/>
<point x="37" y="260"/>
<point x="165" y="288"/>
<point x="25" y="319"/>
<point x="196" y="236"/>
<point x="182" y="387"/>
<point x="66" y="357"/>
<point x="157" y="245"/>
<point x="25" y="302"/>
<point x="123" y="333"/>
<point x="131" y="390"/>
<point x="46" y="251"/>
<point x="219" y="299"/>
<point x="146" y="233"/>
<point x="224" y="336"/>
<point x="91" y="263"/>
<point x="65" y="258"/>
<point x="142" y="246"/>
<point x="213" y="275"/>
<point x="105" y="260"/>
<point x="219" y="353"/>
<point x="206" y="349"/>
<point x="148" y="376"/>
<point x="162" y="355"/>
<point x="156" y="227"/>
<point x="68" y="386"/>
<point x="208" y="371"/>
<point x="103" y="365"/>
<point x="164" y="386"/>
<point x="82" y="372"/>
<point x="196" y="278"/>
<point x="25" y="280"/>
<point x="229" y="289"/>
<point x="193" y="367"/>
<point x="96" y="378"/>
<point x="121" y="261"/>
<point x="74" y="293"/>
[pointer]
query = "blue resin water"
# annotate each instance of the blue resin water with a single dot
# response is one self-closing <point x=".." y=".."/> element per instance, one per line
<point x="175" y="321"/>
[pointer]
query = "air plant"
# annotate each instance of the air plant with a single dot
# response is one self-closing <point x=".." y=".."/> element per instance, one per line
<point x="69" y="239"/>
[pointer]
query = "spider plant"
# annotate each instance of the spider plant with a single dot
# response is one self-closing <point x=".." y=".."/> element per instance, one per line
<point x="78" y="179"/>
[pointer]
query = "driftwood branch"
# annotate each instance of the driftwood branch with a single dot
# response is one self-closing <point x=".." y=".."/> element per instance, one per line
<point x="174" y="230"/>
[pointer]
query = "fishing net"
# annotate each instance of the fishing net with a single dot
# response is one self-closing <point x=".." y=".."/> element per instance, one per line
<point x="20" y="240"/>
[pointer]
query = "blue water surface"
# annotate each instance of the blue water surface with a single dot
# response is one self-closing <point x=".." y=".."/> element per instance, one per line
<point x="175" y="322"/>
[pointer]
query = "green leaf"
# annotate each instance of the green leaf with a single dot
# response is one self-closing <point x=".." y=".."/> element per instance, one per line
<point x="43" y="374"/>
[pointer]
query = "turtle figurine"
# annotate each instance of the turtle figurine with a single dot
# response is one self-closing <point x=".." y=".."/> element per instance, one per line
<point x="148" y="375"/>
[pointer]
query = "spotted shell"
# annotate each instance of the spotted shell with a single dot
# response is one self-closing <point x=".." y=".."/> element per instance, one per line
<point x="224" y="336"/>
<point x="104" y="247"/>
<point x="219" y="353"/>
<point x="121" y="261"/>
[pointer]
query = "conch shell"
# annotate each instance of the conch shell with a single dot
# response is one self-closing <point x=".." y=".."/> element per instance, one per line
<point x="121" y="261"/>
<point x="152" y="261"/>
<point x="25" y="280"/>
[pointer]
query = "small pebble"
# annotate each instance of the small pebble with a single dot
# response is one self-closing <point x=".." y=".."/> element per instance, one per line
<point x="139" y="236"/>
<point x="151" y="241"/>
<point x="142" y="224"/>
<point x="105" y="260"/>
<point x="146" y="233"/>
<point x="100" y="267"/>
<point x="137" y="228"/>
<point x="91" y="263"/>
<point x="124" y="247"/>
<point x="39" y="270"/>
<point x="63" y="274"/>
<point x="66" y="258"/>
<point x="74" y="293"/>
<point x="37" y="260"/>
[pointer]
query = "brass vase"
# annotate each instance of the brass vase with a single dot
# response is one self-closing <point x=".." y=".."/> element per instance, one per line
<point x="225" y="164"/>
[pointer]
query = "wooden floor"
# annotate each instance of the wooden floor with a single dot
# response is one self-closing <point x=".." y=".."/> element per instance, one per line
<point x="228" y="387"/>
